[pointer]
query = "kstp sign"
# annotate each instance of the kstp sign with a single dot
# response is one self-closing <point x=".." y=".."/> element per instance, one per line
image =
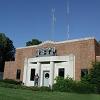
<point x="46" y="52"/>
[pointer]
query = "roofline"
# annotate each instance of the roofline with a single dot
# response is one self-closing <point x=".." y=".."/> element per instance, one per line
<point x="59" y="42"/>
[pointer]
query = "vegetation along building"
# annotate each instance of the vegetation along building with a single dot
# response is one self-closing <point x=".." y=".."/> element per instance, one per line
<point x="50" y="59"/>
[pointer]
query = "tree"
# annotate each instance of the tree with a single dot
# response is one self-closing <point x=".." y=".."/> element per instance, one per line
<point x="95" y="73"/>
<point x="33" y="42"/>
<point x="94" y="76"/>
<point x="7" y="50"/>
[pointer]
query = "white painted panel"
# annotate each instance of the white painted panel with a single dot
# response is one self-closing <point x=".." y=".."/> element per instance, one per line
<point x="66" y="62"/>
<point x="68" y="66"/>
<point x="29" y="82"/>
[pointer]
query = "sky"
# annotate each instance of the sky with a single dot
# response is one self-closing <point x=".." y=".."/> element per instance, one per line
<point x="23" y="20"/>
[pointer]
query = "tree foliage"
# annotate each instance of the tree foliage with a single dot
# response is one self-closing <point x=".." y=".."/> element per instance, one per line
<point x="88" y="84"/>
<point x="94" y="76"/>
<point x="7" y="50"/>
<point x="69" y="85"/>
<point x="33" y="42"/>
<point x="95" y="73"/>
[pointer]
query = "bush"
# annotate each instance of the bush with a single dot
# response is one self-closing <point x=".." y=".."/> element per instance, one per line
<point x="10" y="81"/>
<point x="64" y="85"/>
<point x="17" y="85"/>
<point x="97" y="88"/>
<point x="69" y="85"/>
<point x="7" y="85"/>
<point x="93" y="78"/>
<point x="43" y="88"/>
<point x="83" y="87"/>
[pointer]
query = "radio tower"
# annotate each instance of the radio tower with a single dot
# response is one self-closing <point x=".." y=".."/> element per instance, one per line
<point x="67" y="15"/>
<point x="53" y="23"/>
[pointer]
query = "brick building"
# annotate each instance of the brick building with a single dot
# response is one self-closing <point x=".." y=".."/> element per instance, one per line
<point x="70" y="58"/>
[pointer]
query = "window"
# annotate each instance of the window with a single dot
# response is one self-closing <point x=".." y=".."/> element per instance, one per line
<point x="32" y="74"/>
<point x="61" y="72"/>
<point x="84" y="72"/>
<point x="18" y="73"/>
<point x="47" y="75"/>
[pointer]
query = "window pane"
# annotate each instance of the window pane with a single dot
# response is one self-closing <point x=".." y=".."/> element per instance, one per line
<point x="32" y="74"/>
<point x="84" y="72"/>
<point x="18" y="74"/>
<point x="61" y="72"/>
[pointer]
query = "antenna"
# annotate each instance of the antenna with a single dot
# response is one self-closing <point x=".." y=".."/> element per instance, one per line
<point x="53" y="23"/>
<point x="67" y="15"/>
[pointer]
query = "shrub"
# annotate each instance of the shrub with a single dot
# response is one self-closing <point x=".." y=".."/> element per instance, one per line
<point x="7" y="85"/>
<point x="16" y="85"/>
<point x="69" y="85"/>
<point x="64" y="85"/>
<point x="10" y="81"/>
<point x="33" y="88"/>
<point x="83" y="87"/>
<point x="44" y="88"/>
<point x="93" y="78"/>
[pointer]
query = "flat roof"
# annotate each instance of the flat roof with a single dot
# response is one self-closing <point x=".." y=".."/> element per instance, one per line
<point x="59" y="42"/>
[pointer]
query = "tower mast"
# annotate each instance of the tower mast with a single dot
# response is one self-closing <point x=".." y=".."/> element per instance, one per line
<point x="53" y="23"/>
<point x="67" y="15"/>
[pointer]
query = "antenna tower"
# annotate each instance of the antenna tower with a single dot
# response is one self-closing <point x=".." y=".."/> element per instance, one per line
<point x="53" y="23"/>
<point x="67" y="15"/>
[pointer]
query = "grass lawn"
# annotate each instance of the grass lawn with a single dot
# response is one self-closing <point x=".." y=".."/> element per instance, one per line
<point x="18" y="94"/>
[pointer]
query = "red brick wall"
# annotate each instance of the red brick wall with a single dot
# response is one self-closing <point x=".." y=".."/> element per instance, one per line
<point x="10" y="70"/>
<point x="84" y="52"/>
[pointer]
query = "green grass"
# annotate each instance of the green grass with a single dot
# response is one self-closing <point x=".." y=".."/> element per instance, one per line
<point x="18" y="94"/>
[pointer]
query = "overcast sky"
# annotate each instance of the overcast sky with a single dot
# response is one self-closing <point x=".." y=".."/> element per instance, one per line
<point x="22" y="20"/>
